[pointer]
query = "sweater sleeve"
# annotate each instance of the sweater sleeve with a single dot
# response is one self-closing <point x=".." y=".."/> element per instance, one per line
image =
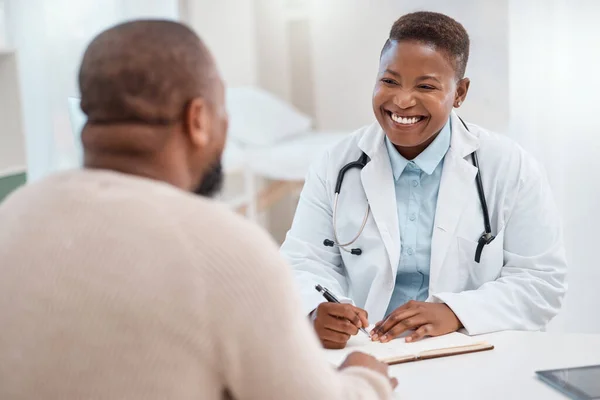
<point x="268" y="348"/>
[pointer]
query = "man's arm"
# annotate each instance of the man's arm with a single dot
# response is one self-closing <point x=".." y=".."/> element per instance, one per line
<point x="269" y="350"/>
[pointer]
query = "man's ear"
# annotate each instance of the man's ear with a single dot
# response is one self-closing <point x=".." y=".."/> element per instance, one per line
<point x="197" y="122"/>
<point x="462" y="88"/>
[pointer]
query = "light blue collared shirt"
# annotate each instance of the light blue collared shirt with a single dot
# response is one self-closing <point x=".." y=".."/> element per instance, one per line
<point x="417" y="185"/>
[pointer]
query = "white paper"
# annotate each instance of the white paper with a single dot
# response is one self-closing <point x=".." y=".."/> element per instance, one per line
<point x="397" y="347"/>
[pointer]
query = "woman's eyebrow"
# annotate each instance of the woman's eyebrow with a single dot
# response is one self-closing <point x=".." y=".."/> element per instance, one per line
<point x="389" y="71"/>
<point x="419" y="79"/>
<point x="426" y="77"/>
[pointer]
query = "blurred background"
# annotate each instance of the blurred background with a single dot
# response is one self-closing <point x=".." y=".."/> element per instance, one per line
<point x="300" y="75"/>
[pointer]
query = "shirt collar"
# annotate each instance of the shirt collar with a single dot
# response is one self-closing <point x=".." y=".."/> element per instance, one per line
<point x="428" y="160"/>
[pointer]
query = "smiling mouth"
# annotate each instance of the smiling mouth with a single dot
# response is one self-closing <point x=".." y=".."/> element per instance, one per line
<point x="405" y="121"/>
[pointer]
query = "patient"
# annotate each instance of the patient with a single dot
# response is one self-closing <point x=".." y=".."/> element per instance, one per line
<point x="117" y="283"/>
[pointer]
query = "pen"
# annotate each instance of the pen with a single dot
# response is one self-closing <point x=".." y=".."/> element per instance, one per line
<point x="332" y="299"/>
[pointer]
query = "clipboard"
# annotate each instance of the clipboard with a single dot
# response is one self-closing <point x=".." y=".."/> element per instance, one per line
<point x="437" y="353"/>
<point x="398" y="351"/>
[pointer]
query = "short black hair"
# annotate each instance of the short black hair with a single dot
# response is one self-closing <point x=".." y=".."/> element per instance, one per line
<point x="437" y="30"/>
<point x="144" y="72"/>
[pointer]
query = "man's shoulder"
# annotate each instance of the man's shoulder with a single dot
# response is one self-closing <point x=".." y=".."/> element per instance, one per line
<point x="136" y="197"/>
<point x="216" y="223"/>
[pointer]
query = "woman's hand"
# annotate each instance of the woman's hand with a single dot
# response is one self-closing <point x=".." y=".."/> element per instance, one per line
<point x="426" y="319"/>
<point x="335" y="323"/>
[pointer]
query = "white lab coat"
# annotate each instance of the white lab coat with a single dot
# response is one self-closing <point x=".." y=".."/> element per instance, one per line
<point x="521" y="279"/>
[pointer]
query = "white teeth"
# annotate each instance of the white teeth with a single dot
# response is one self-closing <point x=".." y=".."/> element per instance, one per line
<point x="405" y="121"/>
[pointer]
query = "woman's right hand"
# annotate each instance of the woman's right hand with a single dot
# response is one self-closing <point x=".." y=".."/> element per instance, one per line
<point x="357" y="359"/>
<point x="335" y="323"/>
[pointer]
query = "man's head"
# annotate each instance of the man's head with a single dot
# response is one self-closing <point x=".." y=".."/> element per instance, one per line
<point x="420" y="79"/>
<point x="155" y="105"/>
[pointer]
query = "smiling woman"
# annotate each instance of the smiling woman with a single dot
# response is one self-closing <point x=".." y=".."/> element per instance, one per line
<point x="425" y="266"/>
<point x="420" y="80"/>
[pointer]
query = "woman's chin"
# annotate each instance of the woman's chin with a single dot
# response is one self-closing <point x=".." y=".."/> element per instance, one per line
<point x="404" y="140"/>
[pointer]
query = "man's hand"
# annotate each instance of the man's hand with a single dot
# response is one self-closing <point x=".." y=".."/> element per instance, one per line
<point x="366" y="361"/>
<point x="335" y="323"/>
<point x="426" y="319"/>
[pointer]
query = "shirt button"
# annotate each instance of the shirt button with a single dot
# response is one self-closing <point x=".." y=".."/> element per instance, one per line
<point x="415" y="183"/>
<point x="412" y="217"/>
<point x="410" y="251"/>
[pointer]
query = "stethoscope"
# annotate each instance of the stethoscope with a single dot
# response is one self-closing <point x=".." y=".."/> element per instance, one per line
<point x="486" y="237"/>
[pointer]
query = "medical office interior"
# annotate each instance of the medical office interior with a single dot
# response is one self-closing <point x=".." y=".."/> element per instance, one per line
<point x="300" y="75"/>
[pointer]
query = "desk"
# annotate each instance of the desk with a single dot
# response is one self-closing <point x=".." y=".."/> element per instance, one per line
<point x="507" y="372"/>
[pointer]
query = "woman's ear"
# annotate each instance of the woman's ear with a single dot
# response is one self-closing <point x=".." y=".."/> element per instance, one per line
<point x="461" y="91"/>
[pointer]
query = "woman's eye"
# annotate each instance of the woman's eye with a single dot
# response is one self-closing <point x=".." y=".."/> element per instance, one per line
<point x="388" y="81"/>
<point x="426" y="87"/>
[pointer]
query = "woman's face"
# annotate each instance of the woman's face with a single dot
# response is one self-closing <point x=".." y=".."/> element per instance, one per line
<point x="415" y="91"/>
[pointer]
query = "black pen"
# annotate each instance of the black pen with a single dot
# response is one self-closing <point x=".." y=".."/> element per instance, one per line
<point x="332" y="299"/>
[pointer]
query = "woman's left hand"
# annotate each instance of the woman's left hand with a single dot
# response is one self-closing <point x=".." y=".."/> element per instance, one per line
<point x="426" y="319"/>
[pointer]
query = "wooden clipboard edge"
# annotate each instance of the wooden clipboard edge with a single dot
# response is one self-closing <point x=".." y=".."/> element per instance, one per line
<point x="438" y="353"/>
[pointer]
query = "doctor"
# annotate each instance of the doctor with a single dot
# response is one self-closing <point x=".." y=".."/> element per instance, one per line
<point x="428" y="258"/>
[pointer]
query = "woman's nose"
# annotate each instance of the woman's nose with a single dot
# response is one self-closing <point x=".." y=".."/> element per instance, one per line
<point x="404" y="99"/>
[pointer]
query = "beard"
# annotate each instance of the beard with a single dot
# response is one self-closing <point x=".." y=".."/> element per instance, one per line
<point x="211" y="182"/>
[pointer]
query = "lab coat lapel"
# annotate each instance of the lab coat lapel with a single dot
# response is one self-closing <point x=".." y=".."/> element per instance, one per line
<point x="378" y="183"/>
<point x="458" y="176"/>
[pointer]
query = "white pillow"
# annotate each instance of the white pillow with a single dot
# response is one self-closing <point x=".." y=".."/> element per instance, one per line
<point x="258" y="118"/>
<point x="291" y="160"/>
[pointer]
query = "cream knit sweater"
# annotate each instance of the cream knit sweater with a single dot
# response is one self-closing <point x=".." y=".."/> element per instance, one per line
<point x="119" y="287"/>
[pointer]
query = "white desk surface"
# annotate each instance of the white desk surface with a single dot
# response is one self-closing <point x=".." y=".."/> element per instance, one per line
<point x="505" y="373"/>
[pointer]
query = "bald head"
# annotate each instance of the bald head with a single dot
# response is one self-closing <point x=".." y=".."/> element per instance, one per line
<point x="155" y="105"/>
<point x="144" y="72"/>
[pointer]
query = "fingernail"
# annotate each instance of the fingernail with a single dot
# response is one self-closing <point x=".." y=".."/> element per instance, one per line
<point x="374" y="337"/>
<point x="383" y="338"/>
<point x="409" y="339"/>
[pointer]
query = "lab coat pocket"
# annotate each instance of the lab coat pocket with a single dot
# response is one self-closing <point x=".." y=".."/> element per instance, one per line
<point x="490" y="265"/>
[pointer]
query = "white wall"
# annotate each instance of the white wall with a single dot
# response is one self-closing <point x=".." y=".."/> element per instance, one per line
<point x="581" y="177"/>
<point x="553" y="50"/>
<point x="347" y="39"/>
<point x="228" y="29"/>
<point x="252" y="42"/>
<point x="273" y="50"/>
<point x="50" y="37"/>
<point x="12" y="140"/>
